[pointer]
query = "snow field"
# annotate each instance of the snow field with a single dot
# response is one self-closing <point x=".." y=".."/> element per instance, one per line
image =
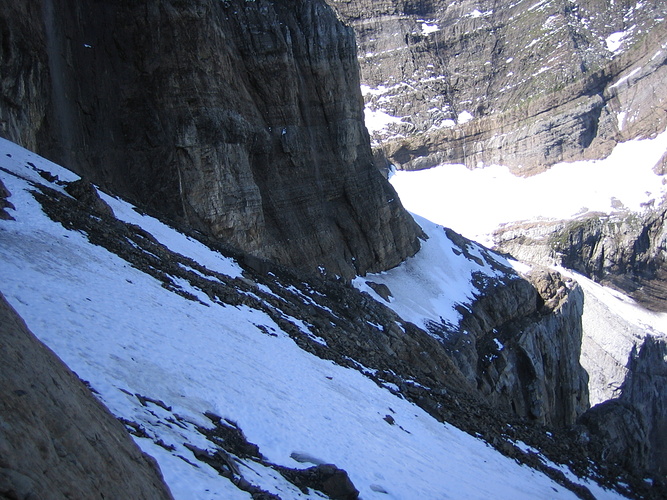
<point x="476" y="202"/>
<point x="121" y="331"/>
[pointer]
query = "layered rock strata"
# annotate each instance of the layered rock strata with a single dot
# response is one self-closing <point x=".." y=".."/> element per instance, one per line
<point x="625" y="251"/>
<point x="526" y="84"/>
<point x="519" y="343"/>
<point x="56" y="440"/>
<point x="242" y="119"/>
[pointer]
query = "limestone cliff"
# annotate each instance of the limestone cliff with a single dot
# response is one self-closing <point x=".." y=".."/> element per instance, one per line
<point x="56" y="440"/>
<point x="519" y="343"/>
<point x="524" y="84"/>
<point x="243" y="119"/>
<point x="625" y="251"/>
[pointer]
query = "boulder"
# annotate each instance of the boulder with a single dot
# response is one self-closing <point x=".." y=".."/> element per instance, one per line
<point x="56" y="440"/>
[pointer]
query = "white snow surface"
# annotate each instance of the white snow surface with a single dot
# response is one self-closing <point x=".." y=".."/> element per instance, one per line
<point x="464" y="117"/>
<point x="427" y="287"/>
<point x="378" y="120"/>
<point x="476" y="202"/>
<point x="427" y="28"/>
<point x="615" y="41"/>
<point x="125" y="334"/>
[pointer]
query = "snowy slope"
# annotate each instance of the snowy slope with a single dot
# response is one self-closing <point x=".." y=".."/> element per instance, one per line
<point x="427" y="287"/>
<point x="160" y="362"/>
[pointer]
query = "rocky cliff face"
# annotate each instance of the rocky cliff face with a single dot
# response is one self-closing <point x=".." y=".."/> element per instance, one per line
<point x="624" y="251"/>
<point x="56" y="440"/>
<point x="630" y="430"/>
<point x="526" y="84"/>
<point x="243" y="119"/>
<point x="519" y="343"/>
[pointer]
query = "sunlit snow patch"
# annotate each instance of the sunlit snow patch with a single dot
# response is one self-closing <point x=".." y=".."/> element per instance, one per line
<point x="464" y="117"/>
<point x="615" y="41"/>
<point x="427" y="287"/>
<point x="476" y="202"/>
<point x="378" y="120"/>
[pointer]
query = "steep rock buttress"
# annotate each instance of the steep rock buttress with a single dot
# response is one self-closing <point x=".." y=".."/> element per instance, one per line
<point x="241" y="119"/>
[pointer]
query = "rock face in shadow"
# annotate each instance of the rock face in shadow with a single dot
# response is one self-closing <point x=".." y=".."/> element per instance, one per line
<point x="241" y="119"/>
<point x="529" y="363"/>
<point x="520" y="84"/>
<point x="646" y="389"/>
<point x="56" y="440"/>
<point x="625" y="360"/>
<point x="631" y="430"/>
<point x="519" y="343"/>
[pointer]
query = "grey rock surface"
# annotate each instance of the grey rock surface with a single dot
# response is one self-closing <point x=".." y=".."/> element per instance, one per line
<point x="241" y="119"/>
<point x="520" y="344"/>
<point x="631" y="429"/>
<point x="56" y="440"/>
<point x="625" y="251"/>
<point x="524" y="84"/>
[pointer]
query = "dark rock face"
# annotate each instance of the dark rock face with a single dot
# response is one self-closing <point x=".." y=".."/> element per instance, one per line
<point x="4" y="204"/>
<point x="618" y="432"/>
<point x="56" y="440"/>
<point x="625" y="251"/>
<point x="243" y="119"/>
<point x="23" y="84"/>
<point x="520" y="344"/>
<point x="523" y="84"/>
<point x="645" y="388"/>
<point x="631" y="430"/>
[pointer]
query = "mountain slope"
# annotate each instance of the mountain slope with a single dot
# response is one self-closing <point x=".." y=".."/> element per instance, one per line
<point x="166" y="356"/>
<point x="551" y="219"/>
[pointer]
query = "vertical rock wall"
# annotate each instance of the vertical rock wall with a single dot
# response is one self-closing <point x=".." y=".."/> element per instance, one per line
<point x="243" y="119"/>
<point x="525" y="84"/>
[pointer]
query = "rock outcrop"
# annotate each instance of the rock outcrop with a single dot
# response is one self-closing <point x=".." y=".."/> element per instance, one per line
<point x="646" y="389"/>
<point x="242" y="119"/>
<point x="625" y="250"/>
<point x="56" y="440"/>
<point x="519" y="343"/>
<point x="526" y="84"/>
<point x="630" y="430"/>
